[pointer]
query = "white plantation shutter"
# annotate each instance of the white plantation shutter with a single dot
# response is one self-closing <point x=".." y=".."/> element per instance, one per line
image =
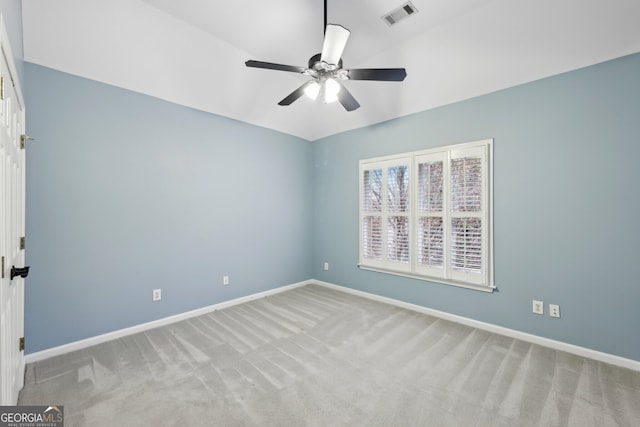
<point x="372" y="237"/>
<point x="430" y="182"/>
<point x="385" y="220"/>
<point x="371" y="205"/>
<point x="466" y="245"/>
<point x="431" y="242"/>
<point x="466" y="184"/>
<point x="430" y="215"/>
<point x="398" y="208"/>
<point x="398" y="239"/>
<point x="373" y="190"/>
<point x="427" y="215"/>
<point x="468" y="213"/>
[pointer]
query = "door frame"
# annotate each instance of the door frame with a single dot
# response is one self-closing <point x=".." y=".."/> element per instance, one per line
<point x="9" y="387"/>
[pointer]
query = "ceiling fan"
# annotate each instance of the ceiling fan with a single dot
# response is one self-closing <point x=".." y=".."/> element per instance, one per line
<point x="326" y="72"/>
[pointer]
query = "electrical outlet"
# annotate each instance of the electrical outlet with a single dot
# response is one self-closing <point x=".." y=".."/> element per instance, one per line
<point x="326" y="266"/>
<point x="157" y="295"/>
<point x="538" y="307"/>
<point x="554" y="310"/>
<point x="225" y="280"/>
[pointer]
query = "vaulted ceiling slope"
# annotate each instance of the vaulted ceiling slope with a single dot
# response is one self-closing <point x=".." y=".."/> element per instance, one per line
<point x="192" y="52"/>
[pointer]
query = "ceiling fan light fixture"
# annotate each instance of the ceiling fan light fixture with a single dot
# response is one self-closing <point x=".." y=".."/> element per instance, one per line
<point x="331" y="90"/>
<point x="312" y="90"/>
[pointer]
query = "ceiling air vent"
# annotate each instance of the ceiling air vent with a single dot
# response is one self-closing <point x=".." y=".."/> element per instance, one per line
<point x="399" y="14"/>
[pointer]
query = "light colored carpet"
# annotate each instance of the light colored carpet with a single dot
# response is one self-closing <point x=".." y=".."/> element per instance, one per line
<point x="314" y="356"/>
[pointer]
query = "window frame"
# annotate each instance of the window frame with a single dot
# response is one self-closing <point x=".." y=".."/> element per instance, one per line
<point x="482" y="281"/>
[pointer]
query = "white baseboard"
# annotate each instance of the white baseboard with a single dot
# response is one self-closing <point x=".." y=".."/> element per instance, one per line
<point x="78" y="345"/>
<point x="512" y="333"/>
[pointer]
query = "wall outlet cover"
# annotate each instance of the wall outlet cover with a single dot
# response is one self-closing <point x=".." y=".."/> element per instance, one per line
<point x="538" y="307"/>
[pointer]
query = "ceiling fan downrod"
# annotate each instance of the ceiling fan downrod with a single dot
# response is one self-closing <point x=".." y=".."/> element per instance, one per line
<point x="324" y="29"/>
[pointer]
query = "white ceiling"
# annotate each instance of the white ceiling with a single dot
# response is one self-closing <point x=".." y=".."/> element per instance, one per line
<point x="192" y="52"/>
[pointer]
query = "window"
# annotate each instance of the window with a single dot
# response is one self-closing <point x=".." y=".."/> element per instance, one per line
<point x="427" y="215"/>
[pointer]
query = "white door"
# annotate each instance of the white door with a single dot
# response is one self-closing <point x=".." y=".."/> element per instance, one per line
<point x="12" y="206"/>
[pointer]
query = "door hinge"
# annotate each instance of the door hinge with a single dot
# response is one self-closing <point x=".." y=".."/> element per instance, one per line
<point x="3" y="267"/>
<point x="23" y="242"/>
<point x="1" y="88"/>
<point x="22" y="344"/>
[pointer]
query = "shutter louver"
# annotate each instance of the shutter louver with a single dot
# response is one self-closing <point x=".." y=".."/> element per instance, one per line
<point x="466" y="184"/>
<point x="466" y="247"/>
<point x="430" y="187"/>
<point x="430" y="242"/>
<point x="398" y="188"/>
<point x="398" y="239"/>
<point x="372" y="237"/>
<point x="372" y="190"/>
<point x="398" y="225"/>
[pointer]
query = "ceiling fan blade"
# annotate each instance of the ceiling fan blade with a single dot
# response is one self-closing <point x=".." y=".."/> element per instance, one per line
<point x="335" y="40"/>
<point x="293" y="96"/>
<point x="346" y="99"/>
<point x="272" y="66"/>
<point x="381" y="74"/>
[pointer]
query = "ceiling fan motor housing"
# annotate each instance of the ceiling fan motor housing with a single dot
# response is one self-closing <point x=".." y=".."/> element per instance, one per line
<point x="315" y="63"/>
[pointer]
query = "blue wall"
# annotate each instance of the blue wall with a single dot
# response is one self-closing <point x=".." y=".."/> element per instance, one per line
<point x="566" y="203"/>
<point x="127" y="193"/>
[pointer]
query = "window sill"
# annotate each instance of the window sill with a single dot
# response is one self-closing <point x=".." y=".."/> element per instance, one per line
<point x="481" y="288"/>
